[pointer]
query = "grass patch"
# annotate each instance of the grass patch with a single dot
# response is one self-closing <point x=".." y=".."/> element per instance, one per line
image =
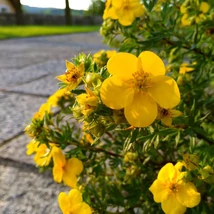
<point x="7" y="32"/>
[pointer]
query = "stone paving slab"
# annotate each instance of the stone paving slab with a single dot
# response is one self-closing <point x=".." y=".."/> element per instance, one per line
<point x="44" y="86"/>
<point x="27" y="70"/>
<point x="30" y="73"/>
<point x="16" y="112"/>
<point x="33" y="192"/>
<point x="16" y="150"/>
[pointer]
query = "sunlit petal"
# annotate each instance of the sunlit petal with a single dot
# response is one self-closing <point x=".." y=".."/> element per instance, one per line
<point x="69" y="179"/>
<point x="75" y="196"/>
<point x="167" y="172"/>
<point x="82" y="208"/>
<point x="164" y="91"/>
<point x="114" y="93"/>
<point x="188" y="196"/>
<point x="75" y="165"/>
<point x="64" y="202"/>
<point x="142" y="111"/>
<point x="152" y="63"/>
<point x="172" y="206"/>
<point x="159" y="191"/>
<point x="122" y="64"/>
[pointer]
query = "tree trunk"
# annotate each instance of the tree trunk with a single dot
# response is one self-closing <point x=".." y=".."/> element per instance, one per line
<point x="18" y="10"/>
<point x="67" y="13"/>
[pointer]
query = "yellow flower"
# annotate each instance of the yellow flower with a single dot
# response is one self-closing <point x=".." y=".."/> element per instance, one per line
<point x="45" y="107"/>
<point x="173" y="192"/>
<point x="184" y="68"/>
<point x="204" y="7"/>
<point x="43" y="154"/>
<point x="53" y="99"/>
<point x="72" y="203"/>
<point x="108" y="12"/>
<point x="190" y="161"/>
<point x="125" y="11"/>
<point x="102" y="56"/>
<point x="166" y="115"/>
<point x="139" y="85"/>
<point x="186" y="20"/>
<point x="73" y="75"/>
<point x="66" y="170"/>
<point x="87" y="101"/>
<point x="31" y="147"/>
<point x="199" y="16"/>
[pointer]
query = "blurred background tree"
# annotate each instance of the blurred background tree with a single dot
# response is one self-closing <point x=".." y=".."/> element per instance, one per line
<point x="67" y="13"/>
<point x="96" y="8"/>
<point x="19" y="11"/>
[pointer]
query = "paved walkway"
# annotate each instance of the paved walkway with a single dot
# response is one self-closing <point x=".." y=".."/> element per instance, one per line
<point x="27" y="70"/>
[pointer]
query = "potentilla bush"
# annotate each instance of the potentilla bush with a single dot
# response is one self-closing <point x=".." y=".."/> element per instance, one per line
<point x="130" y="130"/>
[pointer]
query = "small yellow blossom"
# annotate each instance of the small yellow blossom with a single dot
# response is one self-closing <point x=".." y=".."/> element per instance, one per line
<point x="31" y="147"/>
<point x="72" y="203"/>
<point x="184" y="68"/>
<point x="139" y="85"/>
<point x="53" y="99"/>
<point x="207" y="174"/>
<point x="44" y="154"/>
<point x="124" y="10"/>
<point x="190" y="161"/>
<point x="102" y="56"/>
<point x="73" y="75"/>
<point x="199" y="16"/>
<point x="87" y="101"/>
<point x="45" y="107"/>
<point x="66" y="170"/>
<point x="166" y="115"/>
<point x="174" y="194"/>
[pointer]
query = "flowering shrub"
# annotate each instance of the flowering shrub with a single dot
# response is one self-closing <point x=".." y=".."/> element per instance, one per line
<point x="134" y="129"/>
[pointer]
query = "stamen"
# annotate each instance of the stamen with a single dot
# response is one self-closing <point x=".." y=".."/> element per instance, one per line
<point x="141" y="81"/>
<point x="72" y="75"/>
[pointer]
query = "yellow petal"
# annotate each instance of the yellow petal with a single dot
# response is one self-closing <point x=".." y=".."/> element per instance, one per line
<point x="69" y="179"/>
<point x="188" y="196"/>
<point x="75" y="165"/>
<point x="58" y="157"/>
<point x="75" y="196"/>
<point x="165" y="91"/>
<point x="114" y="93"/>
<point x="126" y="19"/>
<point x="64" y="202"/>
<point x="70" y="65"/>
<point x="152" y="63"/>
<point x="142" y="111"/>
<point x="167" y="121"/>
<point x="175" y="113"/>
<point x="62" y="78"/>
<point x="172" y="206"/>
<point x="111" y="13"/>
<point x="57" y="173"/>
<point x="122" y="64"/>
<point x="138" y="11"/>
<point x="82" y="208"/>
<point x="167" y="172"/>
<point x="204" y="7"/>
<point x="159" y="191"/>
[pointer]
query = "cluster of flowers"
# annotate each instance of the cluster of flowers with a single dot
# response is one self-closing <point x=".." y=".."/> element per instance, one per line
<point x="117" y="88"/>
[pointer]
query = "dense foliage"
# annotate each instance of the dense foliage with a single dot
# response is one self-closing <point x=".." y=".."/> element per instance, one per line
<point x="132" y="131"/>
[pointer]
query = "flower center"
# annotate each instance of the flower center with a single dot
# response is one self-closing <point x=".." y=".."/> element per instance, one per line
<point x="141" y="81"/>
<point x="164" y="113"/>
<point x="125" y="4"/>
<point x="72" y="75"/>
<point x="173" y="187"/>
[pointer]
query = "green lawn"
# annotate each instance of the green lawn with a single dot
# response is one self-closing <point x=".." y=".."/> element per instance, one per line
<point x="7" y="32"/>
